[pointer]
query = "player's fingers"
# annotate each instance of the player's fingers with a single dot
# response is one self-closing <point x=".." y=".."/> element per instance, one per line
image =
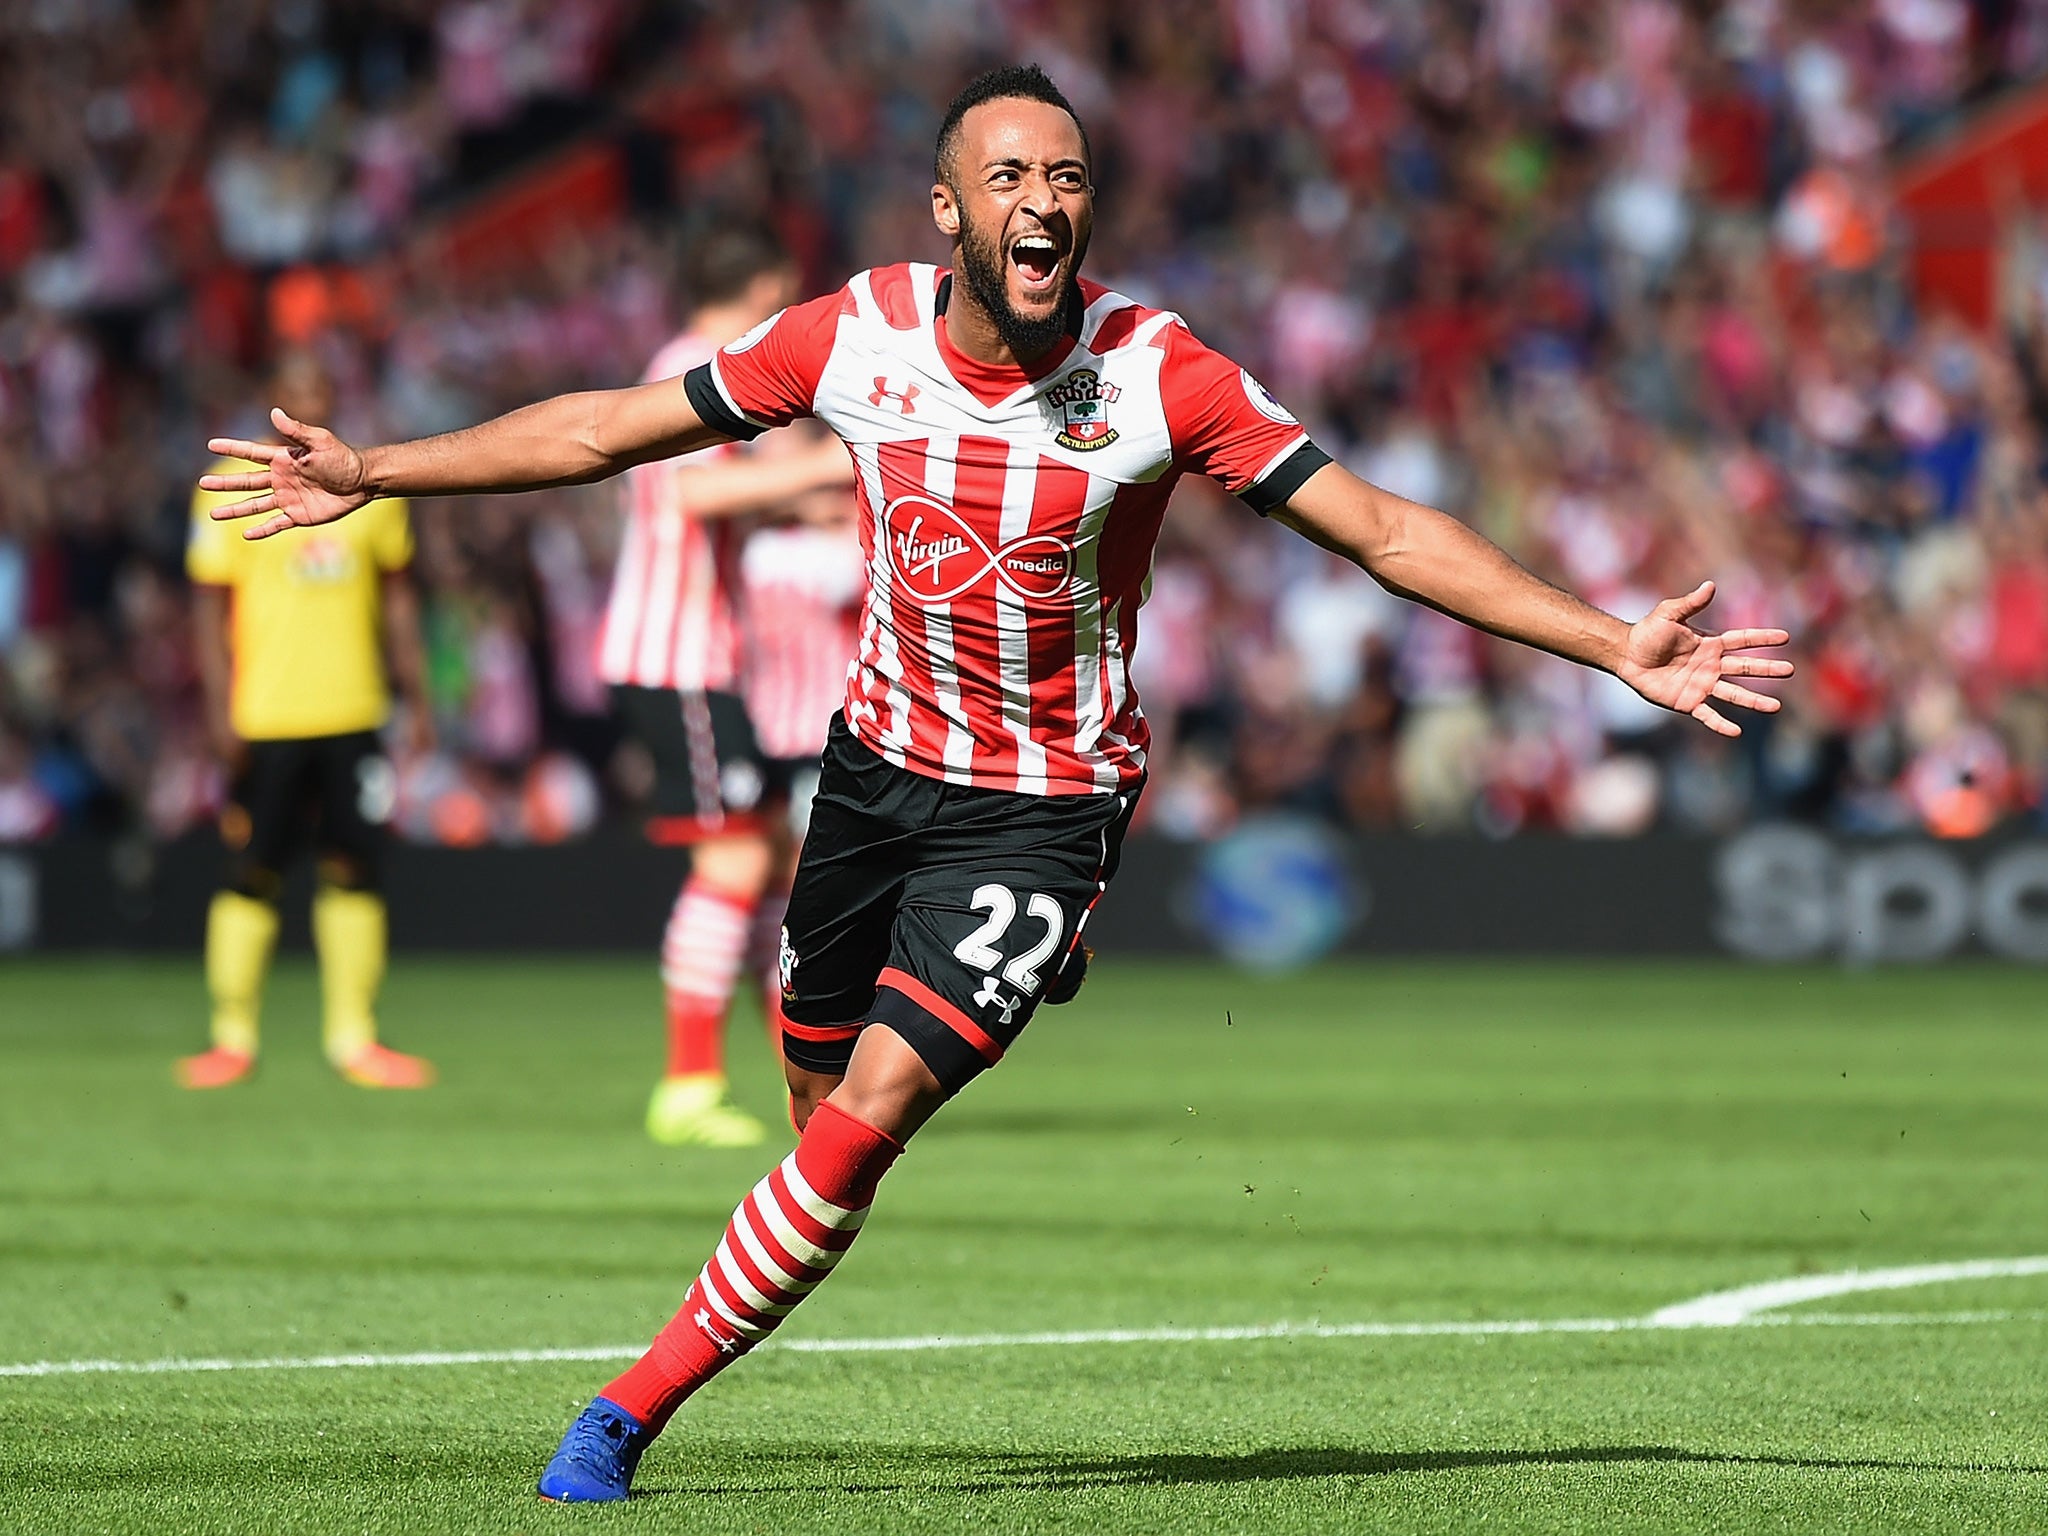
<point x="1715" y="721"/>
<point x="282" y="521"/>
<point x="1682" y="608"/>
<point x="252" y="480"/>
<point x="241" y="448"/>
<point x="1754" y="666"/>
<point x="1753" y="639"/>
<point x="249" y="508"/>
<point x="1735" y="693"/>
<point x="292" y="431"/>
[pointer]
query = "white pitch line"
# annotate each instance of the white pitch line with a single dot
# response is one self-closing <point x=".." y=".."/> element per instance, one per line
<point x="1459" y="1328"/>
<point x="1724" y="1308"/>
<point x="319" y="1362"/>
<point x="1749" y="1306"/>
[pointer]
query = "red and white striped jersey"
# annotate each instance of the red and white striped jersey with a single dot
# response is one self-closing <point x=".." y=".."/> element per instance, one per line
<point x="801" y="587"/>
<point x="1007" y="517"/>
<point x="671" y="619"/>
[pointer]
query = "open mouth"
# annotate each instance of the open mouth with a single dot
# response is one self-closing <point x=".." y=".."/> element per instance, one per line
<point x="1037" y="260"/>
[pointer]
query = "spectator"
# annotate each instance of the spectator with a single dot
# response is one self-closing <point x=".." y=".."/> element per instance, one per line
<point x="1617" y="281"/>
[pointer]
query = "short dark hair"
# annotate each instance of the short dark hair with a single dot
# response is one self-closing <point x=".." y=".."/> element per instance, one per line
<point x="721" y="261"/>
<point x="1011" y="82"/>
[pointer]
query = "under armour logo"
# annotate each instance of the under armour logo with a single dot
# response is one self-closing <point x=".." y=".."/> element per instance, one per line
<point x="902" y="397"/>
<point x="703" y="1321"/>
<point x="991" y="995"/>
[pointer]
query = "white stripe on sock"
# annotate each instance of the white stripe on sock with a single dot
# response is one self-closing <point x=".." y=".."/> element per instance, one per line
<point x="820" y="1210"/>
<point x="794" y="1243"/>
<point x="765" y="1261"/>
<point x="736" y="1281"/>
<point x="704" y="946"/>
<point x="747" y="1329"/>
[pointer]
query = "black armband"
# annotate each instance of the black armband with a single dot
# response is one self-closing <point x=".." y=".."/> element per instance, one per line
<point x="1282" y="481"/>
<point x="708" y="401"/>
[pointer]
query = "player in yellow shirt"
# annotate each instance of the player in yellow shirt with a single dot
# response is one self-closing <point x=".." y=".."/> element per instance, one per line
<point x="299" y="642"/>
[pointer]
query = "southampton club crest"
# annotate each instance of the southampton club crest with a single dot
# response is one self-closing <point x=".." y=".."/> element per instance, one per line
<point x="1083" y="401"/>
<point x="785" y="962"/>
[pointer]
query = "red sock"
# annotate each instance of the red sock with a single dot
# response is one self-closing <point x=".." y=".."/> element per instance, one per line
<point x="785" y="1237"/>
<point x="700" y="963"/>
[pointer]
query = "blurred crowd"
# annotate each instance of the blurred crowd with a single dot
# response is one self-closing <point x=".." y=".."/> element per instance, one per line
<point x="1622" y="283"/>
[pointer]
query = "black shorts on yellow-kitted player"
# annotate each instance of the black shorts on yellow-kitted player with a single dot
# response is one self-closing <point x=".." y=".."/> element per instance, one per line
<point x="943" y="911"/>
<point x="334" y="793"/>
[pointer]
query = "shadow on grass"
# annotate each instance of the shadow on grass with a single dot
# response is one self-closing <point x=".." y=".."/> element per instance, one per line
<point x="509" y="1467"/>
<point x="998" y="1473"/>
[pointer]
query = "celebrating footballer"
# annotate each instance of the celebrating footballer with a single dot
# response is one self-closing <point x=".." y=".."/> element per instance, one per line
<point x="1016" y="433"/>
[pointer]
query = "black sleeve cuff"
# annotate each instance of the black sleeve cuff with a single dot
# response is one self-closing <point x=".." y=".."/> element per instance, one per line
<point x="1285" y="478"/>
<point x="711" y="409"/>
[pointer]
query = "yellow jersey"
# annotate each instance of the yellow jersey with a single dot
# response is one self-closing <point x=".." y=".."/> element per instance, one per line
<point x="306" y="634"/>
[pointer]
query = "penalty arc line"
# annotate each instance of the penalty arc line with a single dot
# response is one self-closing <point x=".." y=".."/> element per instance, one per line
<point x="1740" y="1305"/>
<point x="1749" y="1306"/>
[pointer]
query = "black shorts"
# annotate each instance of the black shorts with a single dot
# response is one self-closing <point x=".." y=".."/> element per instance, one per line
<point x="710" y="776"/>
<point x="332" y="792"/>
<point x="940" y="910"/>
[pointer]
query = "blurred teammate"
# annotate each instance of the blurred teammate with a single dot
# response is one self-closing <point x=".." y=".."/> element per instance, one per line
<point x="802" y="584"/>
<point x="671" y="652"/>
<point x="298" y="642"/>
<point x="1018" y="433"/>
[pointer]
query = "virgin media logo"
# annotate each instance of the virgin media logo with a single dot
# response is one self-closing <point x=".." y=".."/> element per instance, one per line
<point x="935" y="556"/>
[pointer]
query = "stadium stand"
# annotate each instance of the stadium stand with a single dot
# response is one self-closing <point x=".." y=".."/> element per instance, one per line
<point x="1626" y="284"/>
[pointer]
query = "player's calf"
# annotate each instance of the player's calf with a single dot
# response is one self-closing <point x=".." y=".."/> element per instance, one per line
<point x="784" y="1239"/>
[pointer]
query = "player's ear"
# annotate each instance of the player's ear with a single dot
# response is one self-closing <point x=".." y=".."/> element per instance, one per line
<point x="945" y="212"/>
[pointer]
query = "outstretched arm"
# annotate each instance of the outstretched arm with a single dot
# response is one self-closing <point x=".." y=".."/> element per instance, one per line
<point x="734" y="485"/>
<point x="315" y="477"/>
<point x="1434" y="559"/>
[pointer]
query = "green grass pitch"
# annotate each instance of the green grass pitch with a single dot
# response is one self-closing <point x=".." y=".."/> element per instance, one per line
<point x="1183" y="1147"/>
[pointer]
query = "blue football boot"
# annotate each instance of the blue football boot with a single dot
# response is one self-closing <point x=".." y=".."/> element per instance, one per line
<point x="596" y="1459"/>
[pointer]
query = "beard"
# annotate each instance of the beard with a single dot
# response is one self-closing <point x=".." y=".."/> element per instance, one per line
<point x="987" y="276"/>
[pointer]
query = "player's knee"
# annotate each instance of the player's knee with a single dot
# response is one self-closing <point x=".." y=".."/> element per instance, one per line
<point x="807" y="1090"/>
<point x="801" y="1107"/>
<point x="739" y="866"/>
<point x="888" y="1085"/>
<point x="814" y="1061"/>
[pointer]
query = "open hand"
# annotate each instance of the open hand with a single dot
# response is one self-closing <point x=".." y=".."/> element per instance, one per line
<point x="312" y="478"/>
<point x="1670" y="663"/>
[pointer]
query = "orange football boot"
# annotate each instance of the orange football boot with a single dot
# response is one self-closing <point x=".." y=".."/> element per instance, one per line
<point x="217" y="1068"/>
<point x="378" y="1066"/>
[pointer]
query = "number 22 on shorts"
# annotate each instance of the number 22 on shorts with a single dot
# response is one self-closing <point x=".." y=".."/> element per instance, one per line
<point x="978" y="952"/>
